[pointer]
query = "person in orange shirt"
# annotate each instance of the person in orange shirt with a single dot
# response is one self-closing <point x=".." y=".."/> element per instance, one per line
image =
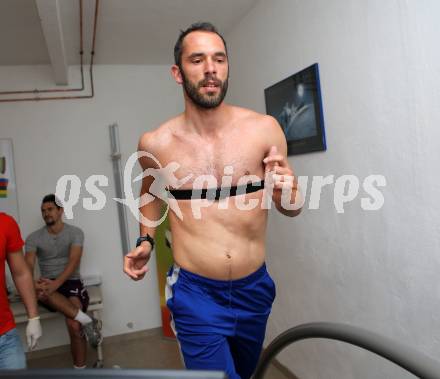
<point x="11" y="351"/>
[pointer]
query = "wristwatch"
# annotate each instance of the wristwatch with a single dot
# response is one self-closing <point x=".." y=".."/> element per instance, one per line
<point x="145" y="238"/>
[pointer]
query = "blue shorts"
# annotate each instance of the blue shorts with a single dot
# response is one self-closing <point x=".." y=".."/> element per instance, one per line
<point x="220" y="325"/>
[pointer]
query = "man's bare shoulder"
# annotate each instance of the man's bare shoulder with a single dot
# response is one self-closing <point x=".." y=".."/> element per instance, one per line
<point x="256" y="120"/>
<point x="265" y="129"/>
<point x="158" y="138"/>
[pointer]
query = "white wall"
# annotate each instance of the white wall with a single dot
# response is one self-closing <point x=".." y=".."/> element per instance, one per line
<point x="380" y="80"/>
<point x="54" y="138"/>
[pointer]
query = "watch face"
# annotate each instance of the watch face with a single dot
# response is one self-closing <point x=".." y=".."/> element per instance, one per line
<point x="145" y="238"/>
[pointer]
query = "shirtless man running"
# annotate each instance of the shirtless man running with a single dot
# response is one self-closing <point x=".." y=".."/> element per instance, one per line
<point x="218" y="291"/>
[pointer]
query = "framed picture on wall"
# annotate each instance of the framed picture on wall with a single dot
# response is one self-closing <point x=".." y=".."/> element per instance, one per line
<point x="296" y="103"/>
<point x="8" y="188"/>
<point x="8" y="194"/>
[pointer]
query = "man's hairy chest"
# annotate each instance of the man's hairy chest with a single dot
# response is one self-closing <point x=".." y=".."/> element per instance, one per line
<point x="231" y="158"/>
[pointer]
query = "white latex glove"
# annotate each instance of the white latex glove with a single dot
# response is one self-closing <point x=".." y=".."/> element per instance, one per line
<point x="33" y="332"/>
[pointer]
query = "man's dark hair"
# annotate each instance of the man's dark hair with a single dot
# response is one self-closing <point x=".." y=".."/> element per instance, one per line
<point x="198" y="26"/>
<point x="50" y="199"/>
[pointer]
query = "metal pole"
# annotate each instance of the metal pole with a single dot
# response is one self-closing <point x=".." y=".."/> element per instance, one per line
<point x="117" y="172"/>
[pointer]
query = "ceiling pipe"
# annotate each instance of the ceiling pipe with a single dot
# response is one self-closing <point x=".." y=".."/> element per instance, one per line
<point x="37" y="91"/>
<point x="92" y="53"/>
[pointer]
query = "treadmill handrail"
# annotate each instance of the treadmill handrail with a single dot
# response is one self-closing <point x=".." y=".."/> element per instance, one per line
<point x="402" y="355"/>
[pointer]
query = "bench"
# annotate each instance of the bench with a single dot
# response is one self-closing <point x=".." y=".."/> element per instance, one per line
<point x="93" y="286"/>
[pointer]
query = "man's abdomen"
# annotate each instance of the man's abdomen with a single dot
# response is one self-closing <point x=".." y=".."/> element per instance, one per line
<point x="223" y="244"/>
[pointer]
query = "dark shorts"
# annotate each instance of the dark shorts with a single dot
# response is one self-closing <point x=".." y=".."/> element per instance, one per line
<point x="72" y="288"/>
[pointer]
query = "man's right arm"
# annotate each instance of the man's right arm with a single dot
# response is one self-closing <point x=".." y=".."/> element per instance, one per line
<point x="30" y="250"/>
<point x="135" y="262"/>
<point x="30" y="257"/>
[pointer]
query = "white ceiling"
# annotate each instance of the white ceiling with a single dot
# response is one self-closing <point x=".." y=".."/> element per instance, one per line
<point x="129" y="31"/>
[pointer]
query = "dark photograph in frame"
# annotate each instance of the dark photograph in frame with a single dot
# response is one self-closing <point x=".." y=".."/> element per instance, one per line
<point x="296" y="104"/>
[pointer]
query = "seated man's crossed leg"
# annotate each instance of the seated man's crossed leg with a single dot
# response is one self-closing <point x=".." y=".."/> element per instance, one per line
<point x="71" y="299"/>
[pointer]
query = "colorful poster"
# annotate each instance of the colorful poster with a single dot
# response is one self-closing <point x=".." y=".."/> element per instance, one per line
<point x="8" y="193"/>
<point x="164" y="260"/>
<point x="8" y="189"/>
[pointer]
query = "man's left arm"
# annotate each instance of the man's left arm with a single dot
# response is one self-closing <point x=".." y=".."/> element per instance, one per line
<point x="286" y="193"/>
<point x="25" y="285"/>
<point x="23" y="281"/>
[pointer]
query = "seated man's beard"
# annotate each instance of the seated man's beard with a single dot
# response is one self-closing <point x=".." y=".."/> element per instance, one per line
<point x="204" y="100"/>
